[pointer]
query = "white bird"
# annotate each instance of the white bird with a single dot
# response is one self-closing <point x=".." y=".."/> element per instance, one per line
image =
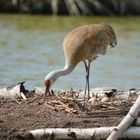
<point x="83" y="44"/>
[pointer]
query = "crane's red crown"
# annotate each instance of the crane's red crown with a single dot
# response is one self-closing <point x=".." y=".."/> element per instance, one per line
<point x="47" y="83"/>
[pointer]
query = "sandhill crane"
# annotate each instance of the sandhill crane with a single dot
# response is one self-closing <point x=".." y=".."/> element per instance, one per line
<point x="84" y="43"/>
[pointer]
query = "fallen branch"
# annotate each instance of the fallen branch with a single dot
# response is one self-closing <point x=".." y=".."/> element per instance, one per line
<point x="14" y="92"/>
<point x="69" y="99"/>
<point x="75" y="133"/>
<point x="126" y="122"/>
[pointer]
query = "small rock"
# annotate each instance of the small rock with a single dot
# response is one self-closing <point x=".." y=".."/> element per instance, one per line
<point x="105" y="99"/>
<point x="39" y="91"/>
<point x="93" y="101"/>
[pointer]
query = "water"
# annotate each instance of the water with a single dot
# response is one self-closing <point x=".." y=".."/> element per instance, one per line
<point x="31" y="47"/>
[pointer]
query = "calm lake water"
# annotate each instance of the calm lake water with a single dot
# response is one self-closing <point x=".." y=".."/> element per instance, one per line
<point x="31" y="47"/>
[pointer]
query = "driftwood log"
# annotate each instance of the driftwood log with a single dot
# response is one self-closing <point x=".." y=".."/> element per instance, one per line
<point x="126" y="122"/>
<point x="14" y="92"/>
<point x="75" y="133"/>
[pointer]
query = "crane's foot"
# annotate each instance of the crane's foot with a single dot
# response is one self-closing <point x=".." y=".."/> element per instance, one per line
<point x="49" y="93"/>
<point x="88" y="96"/>
<point x="84" y="99"/>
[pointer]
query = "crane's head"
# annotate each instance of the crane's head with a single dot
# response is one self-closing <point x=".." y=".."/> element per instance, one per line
<point x="48" y="86"/>
<point x="49" y="80"/>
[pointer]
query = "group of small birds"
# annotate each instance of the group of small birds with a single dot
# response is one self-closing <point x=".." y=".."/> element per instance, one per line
<point x="84" y="44"/>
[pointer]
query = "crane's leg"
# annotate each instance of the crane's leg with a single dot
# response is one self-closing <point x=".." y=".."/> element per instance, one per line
<point x="87" y="67"/>
<point x="84" y="97"/>
<point x="87" y="78"/>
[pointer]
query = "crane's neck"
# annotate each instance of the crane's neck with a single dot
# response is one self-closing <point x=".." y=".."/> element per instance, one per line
<point x="54" y="75"/>
<point x="66" y="70"/>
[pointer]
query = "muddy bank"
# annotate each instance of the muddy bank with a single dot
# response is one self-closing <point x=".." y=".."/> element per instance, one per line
<point x="58" y="112"/>
<point x="75" y="7"/>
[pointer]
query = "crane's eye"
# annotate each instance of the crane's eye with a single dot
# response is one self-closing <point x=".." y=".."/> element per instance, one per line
<point x="47" y="83"/>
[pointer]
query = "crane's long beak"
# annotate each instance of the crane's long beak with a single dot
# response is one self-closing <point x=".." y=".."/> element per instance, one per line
<point x="47" y="91"/>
